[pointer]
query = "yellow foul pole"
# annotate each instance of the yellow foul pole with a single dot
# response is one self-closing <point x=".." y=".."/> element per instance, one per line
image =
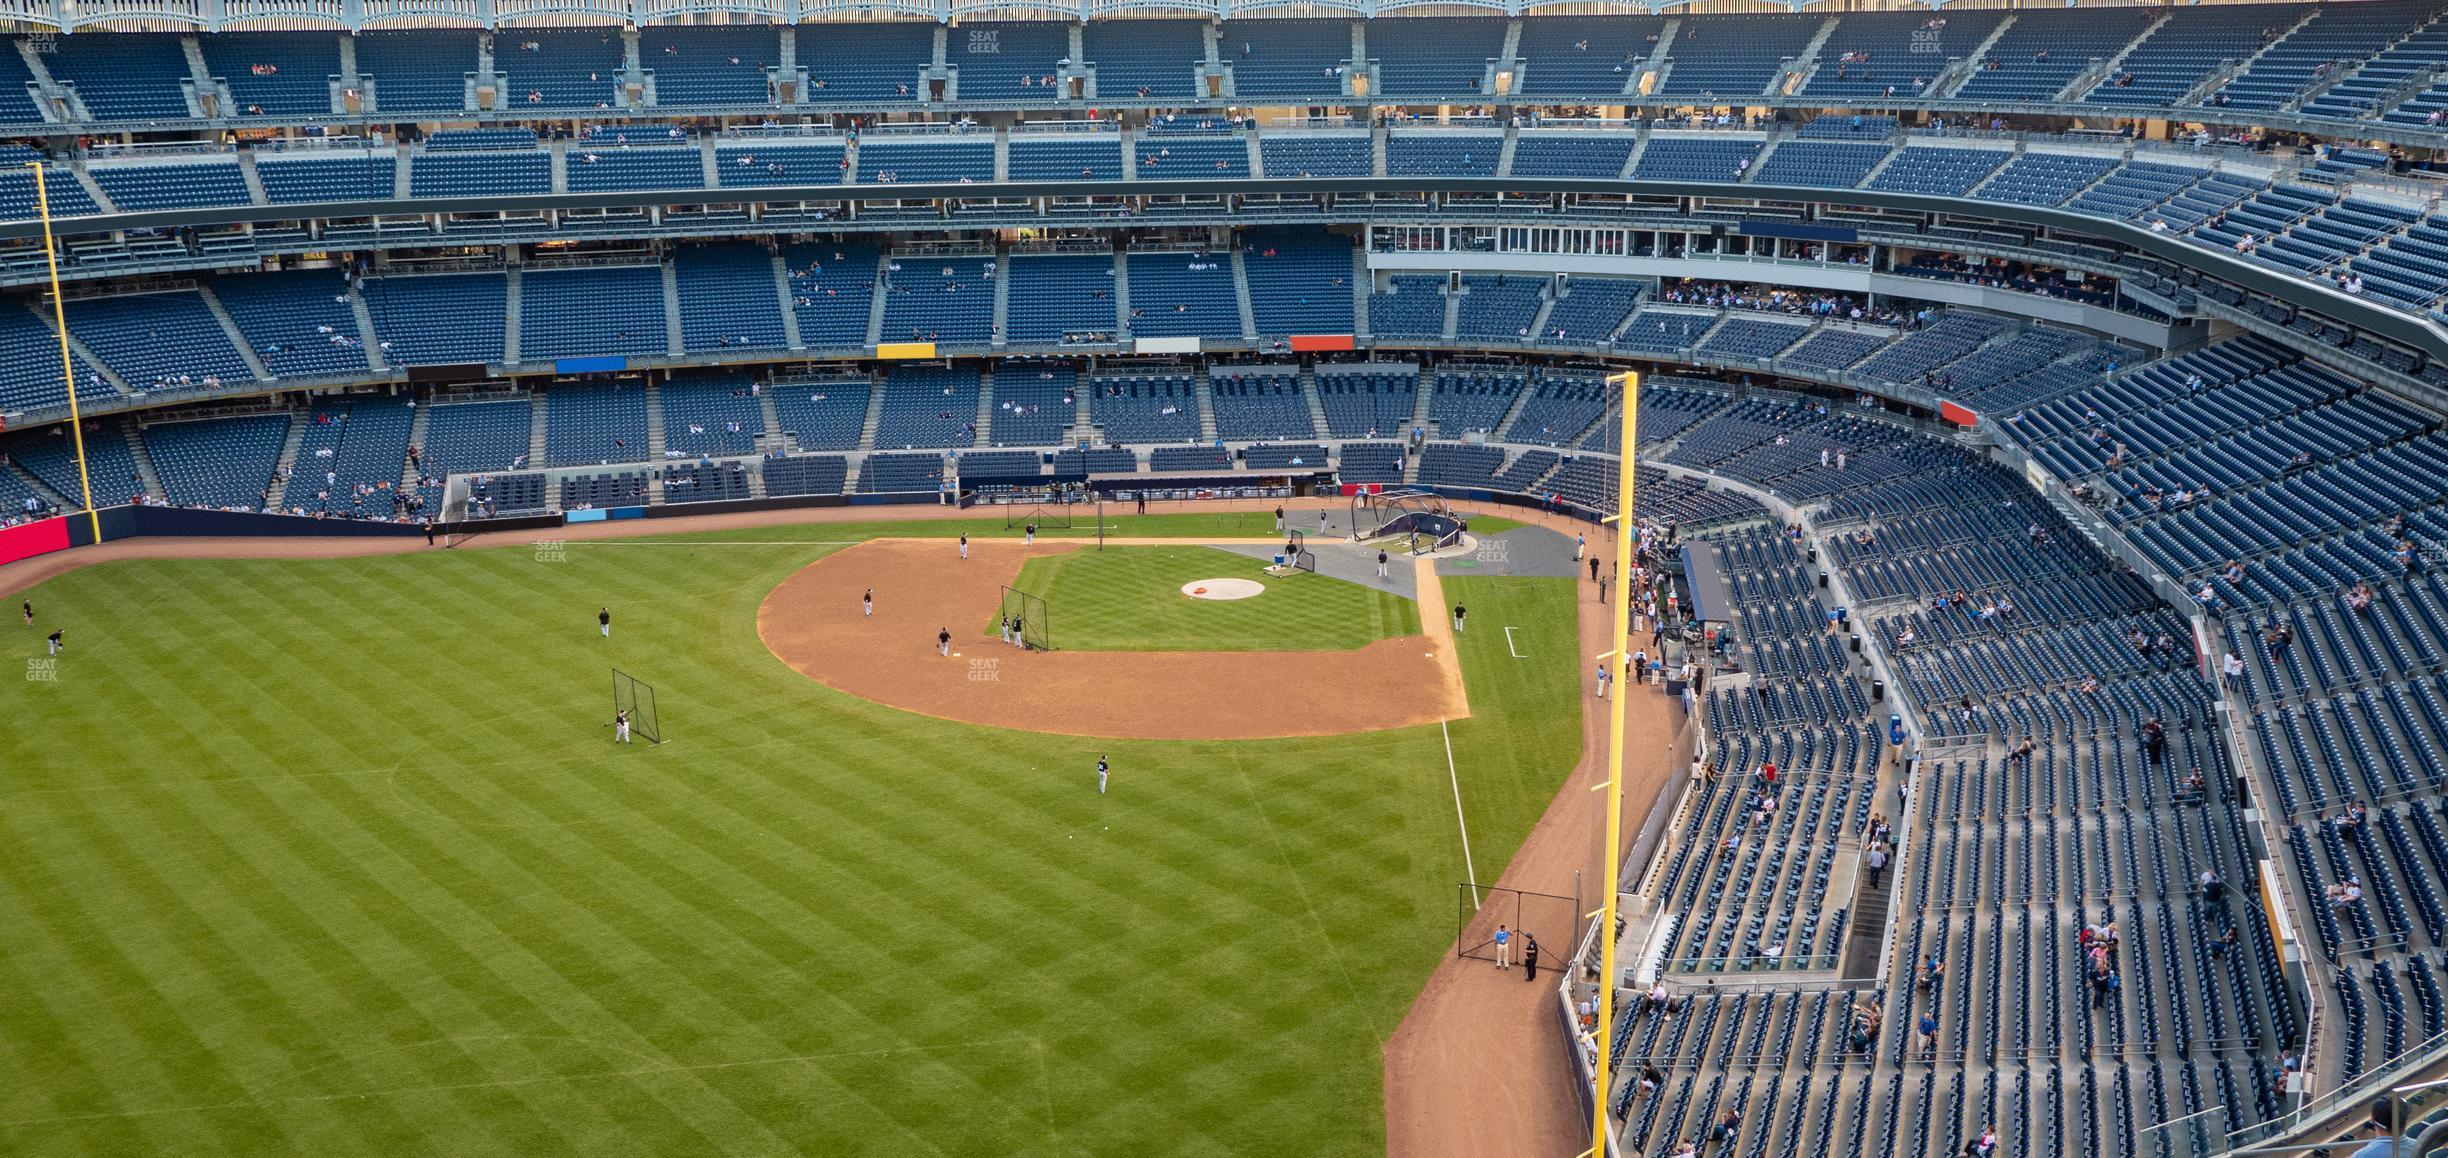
<point x="59" y="322"/>
<point x="1627" y="533"/>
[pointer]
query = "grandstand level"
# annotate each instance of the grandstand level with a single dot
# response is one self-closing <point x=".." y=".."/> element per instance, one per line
<point x="2037" y="743"/>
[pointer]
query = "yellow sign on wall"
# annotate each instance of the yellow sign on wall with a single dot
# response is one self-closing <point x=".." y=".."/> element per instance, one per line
<point x="903" y="351"/>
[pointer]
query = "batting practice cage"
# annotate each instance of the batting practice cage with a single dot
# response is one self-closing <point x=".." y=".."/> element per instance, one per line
<point x="1419" y="518"/>
<point x="1052" y="511"/>
<point x="636" y="697"/>
<point x="1035" y="633"/>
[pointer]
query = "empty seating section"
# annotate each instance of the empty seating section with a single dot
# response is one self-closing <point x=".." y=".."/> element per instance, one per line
<point x="1066" y="157"/>
<point x="275" y="73"/>
<point x="1728" y="57"/>
<point x="1663" y="331"/>
<point x="2045" y="178"/>
<point x="2133" y="187"/>
<point x="1824" y="164"/>
<point x="911" y="161"/>
<point x="184" y="185"/>
<point x="709" y="65"/>
<point x="1571" y="154"/>
<point x="1299" y="281"/>
<point x="1010" y="62"/>
<point x="1178" y="295"/>
<point x="218" y="462"/>
<point x="1752" y="338"/>
<point x="1695" y="158"/>
<point x="939" y="299"/>
<point x="158" y="341"/>
<point x="121" y="76"/>
<point x="350" y="461"/>
<point x="1258" y="406"/>
<point x="1291" y="59"/>
<point x="595" y="424"/>
<point x="559" y="68"/>
<point x="1881" y="54"/>
<point x="1929" y="169"/>
<point x="832" y="289"/>
<point x="824" y="414"/>
<point x="417" y="70"/>
<point x="299" y="324"/>
<point x="1412" y="306"/>
<point x="16" y="101"/>
<point x="888" y="473"/>
<point x="813" y="474"/>
<point x="2411" y="268"/>
<point x="1033" y="405"/>
<point x="2330" y="39"/>
<point x="576" y="313"/>
<point x="1436" y="154"/>
<point x="2183" y="49"/>
<point x="68" y="199"/>
<point x="336" y="175"/>
<point x="1468" y="399"/>
<point x="475" y="438"/>
<point x="30" y="365"/>
<point x="1145" y="407"/>
<point x="1591" y="309"/>
<point x="709" y="414"/>
<point x="1145" y="58"/>
<point x="1208" y="459"/>
<point x="1923" y="351"/>
<point x="1296" y="456"/>
<point x="928" y="406"/>
<point x="1584" y="56"/>
<point x="455" y="173"/>
<point x="1497" y="306"/>
<point x="781" y="162"/>
<point x="1434" y="57"/>
<point x="50" y="456"/>
<point x="1368" y="402"/>
<point x="1060" y="297"/>
<point x="2045" y="50"/>
<point x="1316" y="155"/>
<point x="1370" y="462"/>
<point x="594" y="169"/>
<point x="438" y="319"/>
<point x="1453" y="464"/>
<point x="1834" y="349"/>
<point x="706" y="482"/>
<point x="1168" y="158"/>
<point x="728" y="297"/>
<point x="868" y="63"/>
<point x="1560" y="406"/>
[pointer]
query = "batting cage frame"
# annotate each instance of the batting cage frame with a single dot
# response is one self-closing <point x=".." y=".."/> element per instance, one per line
<point x="1036" y="632"/>
<point x="1421" y="518"/>
<point x="1553" y="920"/>
<point x="1056" y="511"/>
<point x="637" y="697"/>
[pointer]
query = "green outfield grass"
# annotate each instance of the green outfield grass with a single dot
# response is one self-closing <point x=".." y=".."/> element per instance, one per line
<point x="1130" y="599"/>
<point x="336" y="858"/>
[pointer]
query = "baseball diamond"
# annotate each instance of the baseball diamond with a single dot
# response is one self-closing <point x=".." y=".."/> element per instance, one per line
<point x="1165" y="578"/>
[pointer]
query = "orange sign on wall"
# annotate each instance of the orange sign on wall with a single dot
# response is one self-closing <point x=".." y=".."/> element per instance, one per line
<point x="1305" y="342"/>
<point x="1957" y="414"/>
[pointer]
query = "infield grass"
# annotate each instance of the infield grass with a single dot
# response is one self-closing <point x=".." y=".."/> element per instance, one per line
<point x="336" y="857"/>
<point x="1130" y="599"/>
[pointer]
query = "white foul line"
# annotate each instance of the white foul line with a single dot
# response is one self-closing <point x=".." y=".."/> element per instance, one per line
<point x="1509" y="645"/>
<point x="1455" y="778"/>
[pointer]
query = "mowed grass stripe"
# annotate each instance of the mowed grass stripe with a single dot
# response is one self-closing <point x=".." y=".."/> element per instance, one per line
<point x="488" y="910"/>
<point x="1131" y="599"/>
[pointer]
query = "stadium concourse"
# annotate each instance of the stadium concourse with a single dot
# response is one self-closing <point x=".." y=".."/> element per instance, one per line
<point x="2040" y="433"/>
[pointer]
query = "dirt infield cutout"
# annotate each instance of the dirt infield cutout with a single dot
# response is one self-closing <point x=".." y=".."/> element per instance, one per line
<point x="1223" y="588"/>
<point x="813" y="621"/>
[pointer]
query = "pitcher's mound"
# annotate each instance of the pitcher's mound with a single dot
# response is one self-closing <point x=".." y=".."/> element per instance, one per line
<point x="1222" y="588"/>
